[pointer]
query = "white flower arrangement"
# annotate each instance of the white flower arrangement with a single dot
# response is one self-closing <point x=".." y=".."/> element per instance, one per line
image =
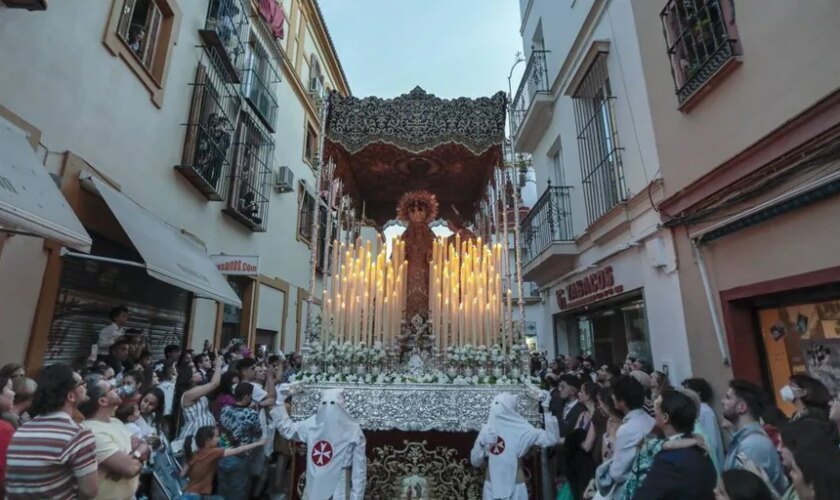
<point x="497" y="355"/>
<point x="480" y="355"/>
<point x="315" y="356"/>
<point x="376" y="354"/>
<point x="515" y="354"/>
<point x="344" y="354"/>
<point x="438" y="378"/>
<point x="455" y="355"/>
<point x="360" y="353"/>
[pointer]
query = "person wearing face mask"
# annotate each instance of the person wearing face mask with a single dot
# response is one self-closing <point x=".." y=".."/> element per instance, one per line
<point x="810" y="397"/>
<point x="336" y="466"/>
<point x="503" y="441"/>
<point x="130" y="388"/>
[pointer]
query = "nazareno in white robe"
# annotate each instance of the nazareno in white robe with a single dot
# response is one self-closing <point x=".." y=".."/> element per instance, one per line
<point x="514" y="436"/>
<point x="335" y="448"/>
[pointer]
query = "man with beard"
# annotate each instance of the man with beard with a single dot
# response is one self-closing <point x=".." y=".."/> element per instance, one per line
<point x="750" y="446"/>
<point x="52" y="456"/>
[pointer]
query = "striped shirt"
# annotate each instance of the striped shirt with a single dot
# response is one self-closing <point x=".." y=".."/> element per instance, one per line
<point x="46" y="456"/>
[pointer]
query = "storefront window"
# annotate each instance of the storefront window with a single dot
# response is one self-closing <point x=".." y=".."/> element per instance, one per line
<point x="232" y="316"/>
<point x="609" y="333"/>
<point x="802" y="338"/>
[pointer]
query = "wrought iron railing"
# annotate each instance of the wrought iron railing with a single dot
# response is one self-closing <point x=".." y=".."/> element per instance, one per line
<point x="226" y="29"/>
<point x="259" y="85"/>
<point x="548" y="222"/>
<point x="250" y="182"/>
<point x="208" y="144"/>
<point x="601" y="167"/>
<point x="698" y="42"/>
<point x="534" y="81"/>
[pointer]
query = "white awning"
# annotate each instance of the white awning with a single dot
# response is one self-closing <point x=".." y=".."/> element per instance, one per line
<point x="168" y="255"/>
<point x="30" y="202"/>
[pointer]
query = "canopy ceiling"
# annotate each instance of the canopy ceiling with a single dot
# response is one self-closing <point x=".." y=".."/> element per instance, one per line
<point x="385" y="147"/>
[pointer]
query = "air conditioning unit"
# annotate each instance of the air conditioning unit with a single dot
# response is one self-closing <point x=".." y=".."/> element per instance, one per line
<point x="284" y="180"/>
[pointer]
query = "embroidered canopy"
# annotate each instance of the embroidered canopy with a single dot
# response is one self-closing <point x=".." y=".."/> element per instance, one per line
<point x="384" y="148"/>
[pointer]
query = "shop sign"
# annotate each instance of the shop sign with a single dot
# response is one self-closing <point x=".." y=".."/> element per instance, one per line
<point x="592" y="288"/>
<point x="237" y="265"/>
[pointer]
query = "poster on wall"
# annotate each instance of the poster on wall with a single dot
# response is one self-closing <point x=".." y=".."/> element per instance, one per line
<point x="822" y="360"/>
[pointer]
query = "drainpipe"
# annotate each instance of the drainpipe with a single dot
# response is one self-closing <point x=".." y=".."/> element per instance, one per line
<point x="710" y="299"/>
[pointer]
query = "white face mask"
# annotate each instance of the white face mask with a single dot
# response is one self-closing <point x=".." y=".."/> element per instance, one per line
<point x="128" y="390"/>
<point x="113" y="382"/>
<point x="787" y="394"/>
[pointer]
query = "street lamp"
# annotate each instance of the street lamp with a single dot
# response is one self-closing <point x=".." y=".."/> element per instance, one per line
<point x="519" y="59"/>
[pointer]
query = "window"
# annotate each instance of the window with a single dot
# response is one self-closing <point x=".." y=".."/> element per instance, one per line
<point x="306" y="214"/>
<point x="557" y="163"/>
<point x="224" y="31"/>
<point x="248" y="201"/>
<point x="310" y="147"/>
<point x="699" y="43"/>
<point x="316" y="78"/>
<point x="600" y="158"/>
<point x="208" y="147"/>
<point x="142" y="33"/>
<point x="259" y="83"/>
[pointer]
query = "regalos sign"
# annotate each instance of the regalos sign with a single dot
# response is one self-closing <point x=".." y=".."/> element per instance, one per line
<point x="237" y="265"/>
<point x="592" y="288"/>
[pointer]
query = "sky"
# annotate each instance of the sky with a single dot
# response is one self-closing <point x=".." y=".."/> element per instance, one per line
<point x="451" y="48"/>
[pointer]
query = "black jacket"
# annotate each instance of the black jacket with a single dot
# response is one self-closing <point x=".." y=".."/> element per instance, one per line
<point x="685" y="474"/>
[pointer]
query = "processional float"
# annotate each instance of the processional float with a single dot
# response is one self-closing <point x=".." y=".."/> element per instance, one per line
<point x="424" y="332"/>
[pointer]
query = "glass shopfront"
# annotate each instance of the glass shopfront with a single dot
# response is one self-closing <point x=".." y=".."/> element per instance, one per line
<point x="800" y="333"/>
<point x="609" y="331"/>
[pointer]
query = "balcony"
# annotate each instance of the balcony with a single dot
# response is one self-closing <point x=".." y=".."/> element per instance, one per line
<point x="699" y="44"/>
<point x="259" y="86"/>
<point x="224" y="31"/>
<point x="531" y="108"/>
<point x="206" y="159"/>
<point x="251" y="179"/>
<point x="548" y="243"/>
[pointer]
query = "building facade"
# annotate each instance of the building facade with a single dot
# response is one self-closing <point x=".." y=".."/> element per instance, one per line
<point x="179" y="133"/>
<point x="747" y="127"/>
<point x="592" y="241"/>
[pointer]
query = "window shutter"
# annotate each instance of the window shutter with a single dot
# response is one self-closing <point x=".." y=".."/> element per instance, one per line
<point x="194" y="121"/>
<point x="152" y="32"/>
<point x="125" y="18"/>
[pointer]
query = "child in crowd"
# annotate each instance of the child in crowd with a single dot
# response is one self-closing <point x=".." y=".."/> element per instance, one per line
<point x="202" y="464"/>
<point x="129" y="414"/>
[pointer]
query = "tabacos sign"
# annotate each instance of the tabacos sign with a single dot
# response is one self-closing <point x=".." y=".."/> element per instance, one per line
<point x="237" y="265"/>
<point x="591" y="288"/>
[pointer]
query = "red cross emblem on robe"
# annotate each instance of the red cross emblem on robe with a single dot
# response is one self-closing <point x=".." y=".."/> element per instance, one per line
<point x="499" y="447"/>
<point x="322" y="453"/>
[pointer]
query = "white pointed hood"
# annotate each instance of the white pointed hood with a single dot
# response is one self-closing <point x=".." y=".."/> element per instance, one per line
<point x="331" y="434"/>
<point x="503" y="458"/>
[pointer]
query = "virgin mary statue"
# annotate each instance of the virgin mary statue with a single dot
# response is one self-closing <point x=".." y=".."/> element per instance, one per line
<point x="417" y="209"/>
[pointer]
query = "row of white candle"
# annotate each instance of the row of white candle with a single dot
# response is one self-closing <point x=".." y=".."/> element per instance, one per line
<point x="365" y="297"/>
<point x="465" y="293"/>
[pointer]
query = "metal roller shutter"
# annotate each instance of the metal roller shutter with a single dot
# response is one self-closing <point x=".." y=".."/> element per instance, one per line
<point x="89" y="289"/>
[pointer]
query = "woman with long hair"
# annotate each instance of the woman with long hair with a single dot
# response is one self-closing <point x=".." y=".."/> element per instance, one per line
<point x="809" y="453"/>
<point x="810" y="397"/>
<point x="224" y="393"/>
<point x="191" y="399"/>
